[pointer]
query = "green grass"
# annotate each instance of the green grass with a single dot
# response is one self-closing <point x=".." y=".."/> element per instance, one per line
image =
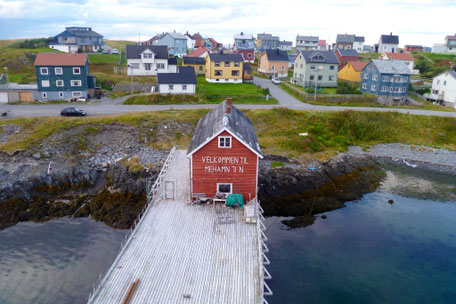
<point x="207" y="88"/>
<point x="368" y="56"/>
<point x="103" y="58"/>
<point x="277" y="129"/>
<point x="276" y="164"/>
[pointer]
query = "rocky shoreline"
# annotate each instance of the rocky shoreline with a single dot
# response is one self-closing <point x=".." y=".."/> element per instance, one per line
<point x="103" y="173"/>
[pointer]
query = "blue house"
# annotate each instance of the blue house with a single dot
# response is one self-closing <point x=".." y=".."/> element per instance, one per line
<point x="62" y="76"/>
<point x="388" y="79"/>
<point x="176" y="42"/>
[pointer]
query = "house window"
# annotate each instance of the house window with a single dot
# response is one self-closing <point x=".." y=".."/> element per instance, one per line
<point x="330" y="78"/>
<point x="160" y="65"/>
<point x="444" y="83"/>
<point x="44" y="95"/>
<point x="365" y="86"/>
<point x="60" y="94"/>
<point x="312" y="67"/>
<point x="249" y="55"/>
<point x="200" y="68"/>
<point x="184" y="87"/>
<point x="283" y="67"/>
<point x="59" y="83"/>
<point x="45" y="83"/>
<point x="44" y="71"/>
<point x="273" y="68"/>
<point x="76" y="83"/>
<point x="236" y="64"/>
<point x="374" y="77"/>
<point x="435" y="91"/>
<point x="171" y="87"/>
<point x="58" y="71"/>
<point x="234" y="73"/>
<point x="391" y="90"/>
<point x="217" y="63"/>
<point x="77" y="94"/>
<point x="331" y="67"/>
<point x="311" y="77"/>
<point x="224" y="142"/>
<point x="76" y="71"/>
<point x="134" y="65"/>
<point x="147" y="66"/>
<point x="373" y="87"/>
<point x="366" y="76"/>
<point x="218" y="72"/>
<point x="404" y="89"/>
<point x="438" y="81"/>
<point x="147" y="55"/>
<point x="320" y="77"/>
<point x="384" y="89"/>
<point x="224" y="188"/>
<point x="385" y="78"/>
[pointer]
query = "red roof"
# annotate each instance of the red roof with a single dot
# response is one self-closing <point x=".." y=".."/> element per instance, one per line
<point x="400" y="56"/>
<point x="198" y="52"/>
<point x="61" y="59"/>
<point x="358" y="65"/>
<point x="321" y="42"/>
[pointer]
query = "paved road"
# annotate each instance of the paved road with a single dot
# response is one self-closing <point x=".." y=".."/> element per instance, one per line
<point x="113" y="107"/>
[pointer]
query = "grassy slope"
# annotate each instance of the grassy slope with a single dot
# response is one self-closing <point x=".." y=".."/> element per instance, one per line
<point x="103" y="58"/>
<point x="277" y="130"/>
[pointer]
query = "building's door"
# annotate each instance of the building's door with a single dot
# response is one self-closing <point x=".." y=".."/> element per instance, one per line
<point x="169" y="190"/>
<point x="3" y="97"/>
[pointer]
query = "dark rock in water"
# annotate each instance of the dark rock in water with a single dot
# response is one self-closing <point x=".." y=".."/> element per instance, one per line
<point x="295" y="191"/>
<point x="300" y="221"/>
<point x="391" y="201"/>
<point x="324" y="216"/>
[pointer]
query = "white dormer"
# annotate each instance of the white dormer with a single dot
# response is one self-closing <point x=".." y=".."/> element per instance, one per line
<point x="148" y="56"/>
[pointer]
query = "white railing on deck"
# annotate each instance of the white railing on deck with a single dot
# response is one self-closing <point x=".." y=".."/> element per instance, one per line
<point x="263" y="260"/>
<point x="150" y="199"/>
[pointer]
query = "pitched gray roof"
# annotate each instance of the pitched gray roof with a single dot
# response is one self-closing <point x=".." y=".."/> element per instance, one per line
<point x="277" y="55"/>
<point x="177" y="35"/>
<point x="391" y="66"/>
<point x="344" y="38"/>
<point x="134" y="51"/>
<point x="285" y="42"/>
<point x="351" y="53"/>
<point x="83" y="31"/>
<point x="307" y="38"/>
<point x="390" y="39"/>
<point x="185" y="75"/>
<point x="193" y="60"/>
<point x="172" y="61"/>
<point x="217" y="119"/>
<point x="359" y="38"/>
<point x="320" y="57"/>
<point x="225" y="57"/>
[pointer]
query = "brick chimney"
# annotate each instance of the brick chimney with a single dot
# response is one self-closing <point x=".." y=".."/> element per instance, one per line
<point x="229" y="104"/>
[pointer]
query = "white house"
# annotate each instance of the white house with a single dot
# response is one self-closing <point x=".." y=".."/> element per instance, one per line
<point x="388" y="43"/>
<point x="148" y="60"/>
<point x="182" y="82"/>
<point x="408" y="59"/>
<point x="444" y="88"/>
<point x="358" y="44"/>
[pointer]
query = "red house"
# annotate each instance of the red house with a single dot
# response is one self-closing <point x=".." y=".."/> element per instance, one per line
<point x="411" y="48"/>
<point x="345" y="56"/>
<point x="224" y="154"/>
<point x="248" y="55"/>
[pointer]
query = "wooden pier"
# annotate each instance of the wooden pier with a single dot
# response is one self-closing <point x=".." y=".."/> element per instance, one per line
<point x="181" y="252"/>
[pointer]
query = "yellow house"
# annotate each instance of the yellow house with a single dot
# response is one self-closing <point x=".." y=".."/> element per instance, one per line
<point x="224" y="67"/>
<point x="352" y="71"/>
<point x="198" y="63"/>
<point x="274" y="62"/>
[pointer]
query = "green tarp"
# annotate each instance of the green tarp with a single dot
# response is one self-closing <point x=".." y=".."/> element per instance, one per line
<point x="235" y="199"/>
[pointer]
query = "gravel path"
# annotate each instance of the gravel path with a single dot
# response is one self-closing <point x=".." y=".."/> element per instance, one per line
<point x="421" y="157"/>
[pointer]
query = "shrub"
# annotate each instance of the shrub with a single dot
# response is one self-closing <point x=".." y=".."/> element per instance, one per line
<point x="346" y="88"/>
<point x="32" y="43"/>
<point x="311" y="90"/>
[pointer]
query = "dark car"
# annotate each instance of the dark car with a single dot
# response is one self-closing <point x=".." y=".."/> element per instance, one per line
<point x="72" y="111"/>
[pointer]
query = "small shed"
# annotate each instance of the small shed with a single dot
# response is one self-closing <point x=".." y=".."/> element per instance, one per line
<point x="224" y="154"/>
<point x="182" y="82"/>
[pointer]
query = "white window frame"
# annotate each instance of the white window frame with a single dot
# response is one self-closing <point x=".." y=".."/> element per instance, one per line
<point x="391" y="89"/>
<point x="57" y="83"/>
<point x="374" y="77"/>
<point x="184" y="87"/>
<point x="231" y="187"/>
<point x="134" y="65"/>
<point x="364" y="86"/>
<point x="61" y="95"/>
<point x="44" y="71"/>
<point x="171" y="87"/>
<point x="160" y="66"/>
<point x="223" y="146"/>
<point x="58" y="71"/>
<point x="249" y="55"/>
<point x="373" y="87"/>
<point x="76" y="85"/>
<point x="366" y="76"/>
<point x="74" y="71"/>
<point x="44" y="95"/>
<point x="45" y="83"/>
<point x="76" y="94"/>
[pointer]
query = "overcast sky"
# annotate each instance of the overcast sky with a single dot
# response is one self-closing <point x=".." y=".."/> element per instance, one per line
<point x="422" y="22"/>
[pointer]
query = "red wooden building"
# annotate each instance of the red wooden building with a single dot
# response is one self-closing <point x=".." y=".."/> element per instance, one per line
<point x="248" y="55"/>
<point x="224" y="154"/>
<point x="346" y="56"/>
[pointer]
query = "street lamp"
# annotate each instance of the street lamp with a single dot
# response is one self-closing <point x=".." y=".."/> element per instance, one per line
<point x="131" y="71"/>
<point x="7" y="84"/>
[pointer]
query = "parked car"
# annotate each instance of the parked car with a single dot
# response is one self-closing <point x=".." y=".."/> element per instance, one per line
<point x="106" y="51"/>
<point x="417" y="82"/>
<point x="115" y="51"/>
<point x="72" y="111"/>
<point x="275" y="80"/>
<point x="82" y="99"/>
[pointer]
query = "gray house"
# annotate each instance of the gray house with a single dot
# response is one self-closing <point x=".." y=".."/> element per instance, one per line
<point x="306" y="43"/>
<point x="176" y="43"/>
<point x="75" y="39"/>
<point x="267" y="42"/>
<point x="388" y="43"/>
<point x="318" y="67"/>
<point x="244" y="41"/>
